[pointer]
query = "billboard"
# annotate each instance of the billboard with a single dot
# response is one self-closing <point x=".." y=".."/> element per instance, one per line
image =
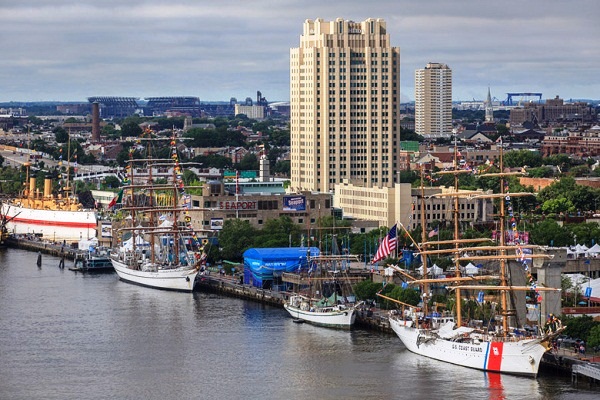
<point x="216" y="224"/>
<point x="294" y="203"/>
<point x="106" y="230"/>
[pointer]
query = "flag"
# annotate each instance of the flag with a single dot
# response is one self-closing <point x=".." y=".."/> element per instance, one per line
<point x="116" y="199"/>
<point x="433" y="233"/>
<point x="388" y="244"/>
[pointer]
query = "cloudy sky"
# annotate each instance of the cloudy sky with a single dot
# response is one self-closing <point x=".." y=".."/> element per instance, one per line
<point x="69" y="50"/>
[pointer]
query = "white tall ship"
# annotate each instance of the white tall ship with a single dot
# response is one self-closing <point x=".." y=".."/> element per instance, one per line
<point x="442" y="336"/>
<point x="55" y="218"/>
<point x="154" y="246"/>
<point x="334" y="316"/>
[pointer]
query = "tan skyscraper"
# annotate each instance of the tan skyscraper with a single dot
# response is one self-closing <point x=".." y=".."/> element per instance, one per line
<point x="433" y="100"/>
<point x="344" y="95"/>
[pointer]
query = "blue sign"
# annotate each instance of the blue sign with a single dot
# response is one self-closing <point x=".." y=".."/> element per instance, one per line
<point x="294" y="203"/>
<point x="480" y="297"/>
<point x="588" y="292"/>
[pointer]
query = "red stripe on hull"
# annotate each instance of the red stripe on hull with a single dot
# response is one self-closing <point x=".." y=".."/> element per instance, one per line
<point x="55" y="223"/>
<point x="495" y="356"/>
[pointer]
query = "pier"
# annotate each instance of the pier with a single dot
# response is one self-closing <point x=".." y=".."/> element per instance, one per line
<point x="369" y="318"/>
<point x="44" y="247"/>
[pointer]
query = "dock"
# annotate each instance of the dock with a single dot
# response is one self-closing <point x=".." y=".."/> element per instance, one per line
<point x="368" y="318"/>
<point x="44" y="247"/>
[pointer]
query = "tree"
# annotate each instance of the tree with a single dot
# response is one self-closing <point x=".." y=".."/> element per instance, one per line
<point x="112" y="182"/>
<point x="236" y="237"/>
<point x="249" y="162"/>
<point x="550" y="233"/>
<point x="130" y="128"/>
<point x="61" y="135"/>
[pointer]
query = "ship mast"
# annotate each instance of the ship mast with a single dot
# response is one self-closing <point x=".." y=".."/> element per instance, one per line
<point x="424" y="244"/>
<point x="503" y="272"/>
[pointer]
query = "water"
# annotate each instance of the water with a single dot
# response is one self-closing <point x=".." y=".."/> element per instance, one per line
<point x="67" y="335"/>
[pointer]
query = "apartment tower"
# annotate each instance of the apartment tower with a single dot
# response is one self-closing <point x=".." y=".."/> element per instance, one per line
<point x="433" y="100"/>
<point x="344" y="95"/>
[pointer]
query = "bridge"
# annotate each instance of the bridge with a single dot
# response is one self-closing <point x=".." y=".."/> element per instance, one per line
<point x="509" y="98"/>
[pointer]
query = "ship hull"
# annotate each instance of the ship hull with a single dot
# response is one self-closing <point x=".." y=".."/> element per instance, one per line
<point x="343" y="319"/>
<point x="521" y="357"/>
<point x="178" y="279"/>
<point x="53" y="225"/>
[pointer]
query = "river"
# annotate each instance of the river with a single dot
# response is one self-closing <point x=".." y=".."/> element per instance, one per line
<point x="68" y="335"/>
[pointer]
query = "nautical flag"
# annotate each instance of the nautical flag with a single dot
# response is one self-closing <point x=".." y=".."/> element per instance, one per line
<point x="388" y="244"/>
<point x="117" y="199"/>
<point x="433" y="233"/>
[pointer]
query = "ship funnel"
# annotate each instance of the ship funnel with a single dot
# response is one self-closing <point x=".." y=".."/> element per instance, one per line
<point x="31" y="186"/>
<point x="47" y="188"/>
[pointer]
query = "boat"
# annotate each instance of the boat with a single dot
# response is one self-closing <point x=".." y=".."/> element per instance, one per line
<point x="442" y="335"/>
<point x="306" y="309"/>
<point x="335" y="308"/>
<point x="157" y="249"/>
<point x="59" y="217"/>
<point x="97" y="260"/>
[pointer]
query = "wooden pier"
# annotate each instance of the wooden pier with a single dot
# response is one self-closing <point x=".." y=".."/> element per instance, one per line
<point x="55" y="249"/>
<point x="373" y="319"/>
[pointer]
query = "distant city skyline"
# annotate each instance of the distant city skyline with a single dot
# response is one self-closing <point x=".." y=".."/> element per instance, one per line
<point x="69" y="50"/>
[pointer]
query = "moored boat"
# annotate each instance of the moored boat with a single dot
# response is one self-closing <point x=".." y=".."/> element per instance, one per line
<point x="503" y="349"/>
<point x="334" y="316"/>
<point x="157" y="249"/>
<point x="54" y="217"/>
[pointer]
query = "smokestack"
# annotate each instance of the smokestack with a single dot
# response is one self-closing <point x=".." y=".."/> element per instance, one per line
<point x="95" y="122"/>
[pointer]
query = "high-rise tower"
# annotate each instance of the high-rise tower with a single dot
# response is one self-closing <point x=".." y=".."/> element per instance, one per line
<point x="433" y="100"/>
<point x="344" y="95"/>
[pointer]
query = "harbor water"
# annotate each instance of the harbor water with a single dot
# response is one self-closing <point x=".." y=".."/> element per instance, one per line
<point x="68" y="335"/>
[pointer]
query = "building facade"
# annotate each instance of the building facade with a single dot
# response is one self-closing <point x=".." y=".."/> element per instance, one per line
<point x="344" y="97"/>
<point x="210" y="210"/>
<point x="433" y="100"/>
<point x="402" y="203"/>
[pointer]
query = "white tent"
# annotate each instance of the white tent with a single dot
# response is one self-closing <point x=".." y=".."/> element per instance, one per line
<point x="470" y="269"/>
<point x="433" y="270"/>
<point x="593" y="251"/>
<point x="139" y="242"/>
<point x="85" y="244"/>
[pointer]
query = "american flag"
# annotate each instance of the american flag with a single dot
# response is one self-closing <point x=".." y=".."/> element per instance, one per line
<point x="388" y="244"/>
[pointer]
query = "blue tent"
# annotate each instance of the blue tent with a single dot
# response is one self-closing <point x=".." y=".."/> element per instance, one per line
<point x="263" y="265"/>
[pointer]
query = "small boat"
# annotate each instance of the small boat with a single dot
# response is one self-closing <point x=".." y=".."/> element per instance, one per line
<point x="305" y="309"/>
<point x="336" y="306"/>
<point x="97" y="260"/>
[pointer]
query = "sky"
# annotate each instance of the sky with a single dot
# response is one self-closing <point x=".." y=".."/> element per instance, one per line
<point x="69" y="50"/>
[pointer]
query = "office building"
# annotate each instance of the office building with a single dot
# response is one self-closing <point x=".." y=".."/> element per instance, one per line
<point x="433" y="100"/>
<point x="344" y="97"/>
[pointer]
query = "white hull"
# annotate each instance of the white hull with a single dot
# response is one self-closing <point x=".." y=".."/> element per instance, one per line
<point x="333" y="319"/>
<point x="519" y="357"/>
<point x="180" y="279"/>
<point x="53" y="225"/>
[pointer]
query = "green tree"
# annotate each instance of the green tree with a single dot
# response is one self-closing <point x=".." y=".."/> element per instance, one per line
<point x="521" y="158"/>
<point x="61" y="135"/>
<point x="550" y="233"/>
<point x="367" y="290"/>
<point x="593" y="339"/>
<point x="111" y="182"/>
<point x="236" y="237"/>
<point x="249" y="162"/>
<point x="130" y="128"/>
<point x="557" y="206"/>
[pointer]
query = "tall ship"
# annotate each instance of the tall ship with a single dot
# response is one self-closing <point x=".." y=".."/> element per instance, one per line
<point x="54" y="217"/>
<point x="502" y="346"/>
<point x="157" y="246"/>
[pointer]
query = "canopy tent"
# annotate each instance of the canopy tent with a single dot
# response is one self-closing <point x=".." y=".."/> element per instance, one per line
<point x="471" y="269"/>
<point x="139" y="242"/>
<point x="87" y="244"/>
<point x="593" y="251"/>
<point x="432" y="270"/>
